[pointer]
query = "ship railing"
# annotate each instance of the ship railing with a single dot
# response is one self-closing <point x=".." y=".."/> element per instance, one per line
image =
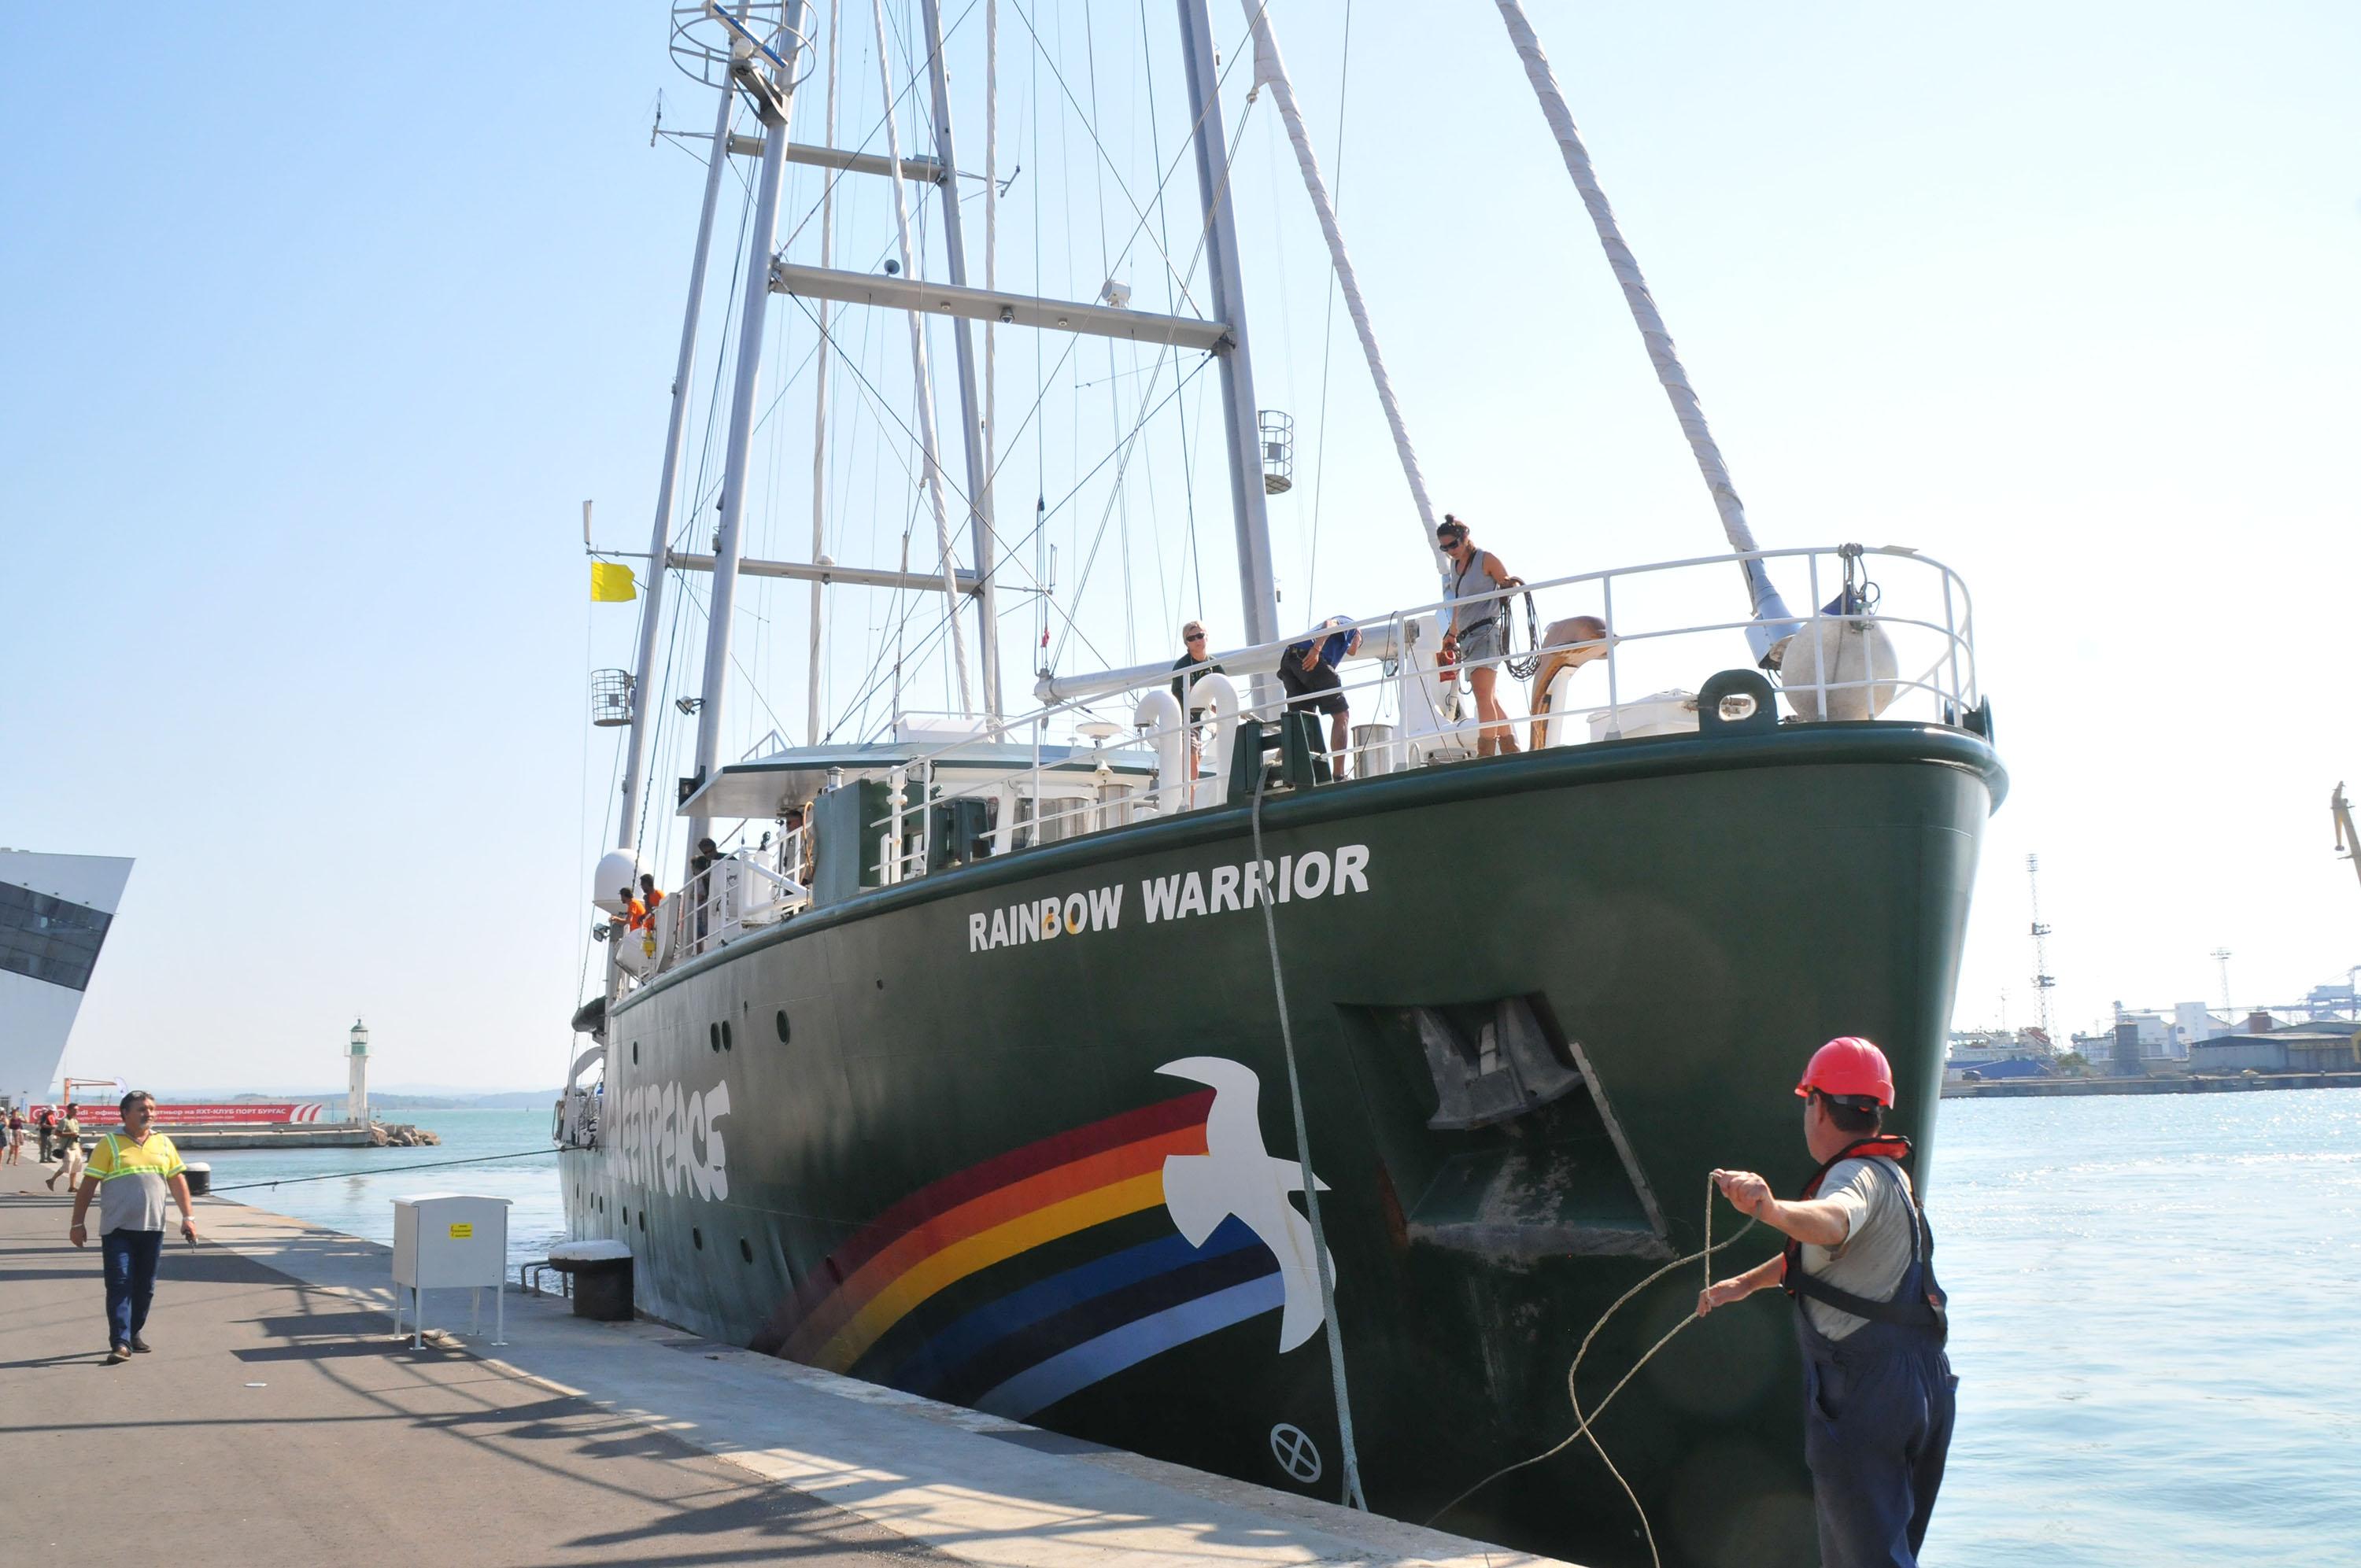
<point x="1867" y="651"/>
<point x="748" y="888"/>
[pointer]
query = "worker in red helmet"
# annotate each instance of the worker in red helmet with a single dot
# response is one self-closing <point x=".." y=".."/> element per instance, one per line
<point x="1878" y="1389"/>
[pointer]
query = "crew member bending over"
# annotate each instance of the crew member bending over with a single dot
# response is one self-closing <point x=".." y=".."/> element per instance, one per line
<point x="1306" y="673"/>
<point x="1878" y="1389"/>
<point x="1476" y="637"/>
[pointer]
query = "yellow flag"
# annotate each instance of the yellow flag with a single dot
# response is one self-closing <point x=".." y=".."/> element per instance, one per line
<point x="610" y="583"/>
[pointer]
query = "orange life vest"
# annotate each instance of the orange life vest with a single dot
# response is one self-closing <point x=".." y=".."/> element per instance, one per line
<point x="639" y="915"/>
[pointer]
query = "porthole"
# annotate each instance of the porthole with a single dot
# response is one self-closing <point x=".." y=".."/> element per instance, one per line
<point x="745" y="1249"/>
<point x="697" y="1236"/>
<point x="881" y="985"/>
<point x="635" y="1053"/>
<point x="727" y="1044"/>
<point x="783" y="1025"/>
<point x="713" y="1035"/>
<point x="643" y="1219"/>
<point x="627" y="1213"/>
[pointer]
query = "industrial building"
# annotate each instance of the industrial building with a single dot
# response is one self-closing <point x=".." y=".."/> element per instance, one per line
<point x="55" y="911"/>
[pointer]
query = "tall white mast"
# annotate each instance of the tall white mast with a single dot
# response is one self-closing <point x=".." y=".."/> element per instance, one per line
<point x="820" y="397"/>
<point x="1773" y="623"/>
<point x="773" y="96"/>
<point x="1270" y="72"/>
<point x="635" y="762"/>
<point x="929" y="448"/>
<point x="979" y="476"/>
<point x="991" y="273"/>
<point x="1258" y="593"/>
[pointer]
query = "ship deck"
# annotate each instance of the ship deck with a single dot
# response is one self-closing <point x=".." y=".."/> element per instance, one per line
<point x="282" y="1415"/>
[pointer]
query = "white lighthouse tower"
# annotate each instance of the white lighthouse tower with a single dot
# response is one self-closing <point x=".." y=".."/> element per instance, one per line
<point x="357" y="1102"/>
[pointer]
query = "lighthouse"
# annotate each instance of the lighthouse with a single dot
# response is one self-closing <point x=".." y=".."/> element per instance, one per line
<point x="357" y="1102"/>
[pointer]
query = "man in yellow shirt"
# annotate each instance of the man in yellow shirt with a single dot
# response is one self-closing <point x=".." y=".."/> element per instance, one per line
<point x="131" y="1173"/>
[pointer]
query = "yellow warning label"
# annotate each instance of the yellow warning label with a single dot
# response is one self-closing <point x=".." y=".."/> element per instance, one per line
<point x="462" y="1231"/>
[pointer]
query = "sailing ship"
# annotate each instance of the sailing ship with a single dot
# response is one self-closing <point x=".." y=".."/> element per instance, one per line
<point x="1137" y="1067"/>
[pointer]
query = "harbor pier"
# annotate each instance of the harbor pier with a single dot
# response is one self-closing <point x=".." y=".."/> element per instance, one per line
<point x="283" y="1422"/>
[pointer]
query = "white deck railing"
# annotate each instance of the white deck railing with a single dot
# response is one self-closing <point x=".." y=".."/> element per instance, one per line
<point x="1905" y="653"/>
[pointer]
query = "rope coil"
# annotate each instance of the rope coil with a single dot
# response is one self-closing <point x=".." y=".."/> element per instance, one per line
<point x="1586" y="1420"/>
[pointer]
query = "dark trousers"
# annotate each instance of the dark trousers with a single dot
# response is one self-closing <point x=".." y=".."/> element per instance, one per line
<point x="130" y="1280"/>
<point x="1878" y="1408"/>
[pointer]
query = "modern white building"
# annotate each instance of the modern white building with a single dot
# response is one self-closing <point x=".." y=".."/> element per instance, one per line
<point x="54" y="915"/>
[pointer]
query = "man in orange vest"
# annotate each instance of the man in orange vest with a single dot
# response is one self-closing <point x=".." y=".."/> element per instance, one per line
<point x="1878" y="1390"/>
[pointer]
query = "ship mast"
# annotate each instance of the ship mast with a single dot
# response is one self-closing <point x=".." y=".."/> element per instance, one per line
<point x="1773" y="623"/>
<point x="1257" y="592"/>
<point x="635" y="762"/>
<point x="771" y="94"/>
<point x="819" y="399"/>
<point x="979" y="478"/>
<point x="1270" y="72"/>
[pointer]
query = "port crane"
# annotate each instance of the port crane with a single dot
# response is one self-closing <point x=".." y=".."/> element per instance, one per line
<point x="2348" y="842"/>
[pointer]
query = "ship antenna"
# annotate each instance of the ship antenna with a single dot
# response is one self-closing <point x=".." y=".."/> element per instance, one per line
<point x="2042" y="978"/>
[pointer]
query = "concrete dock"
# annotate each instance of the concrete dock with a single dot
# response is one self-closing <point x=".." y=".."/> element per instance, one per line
<point x="279" y="1422"/>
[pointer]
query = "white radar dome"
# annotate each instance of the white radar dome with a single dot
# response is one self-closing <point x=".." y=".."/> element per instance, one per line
<point x="618" y="869"/>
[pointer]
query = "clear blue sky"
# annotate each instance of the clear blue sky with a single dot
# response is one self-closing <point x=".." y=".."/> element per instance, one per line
<point x="322" y="323"/>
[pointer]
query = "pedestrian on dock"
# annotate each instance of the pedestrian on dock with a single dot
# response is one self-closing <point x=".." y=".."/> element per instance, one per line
<point x="43" y="1120"/>
<point x="131" y="1173"/>
<point x="14" y="1152"/>
<point x="1878" y="1394"/>
<point x="70" y="1163"/>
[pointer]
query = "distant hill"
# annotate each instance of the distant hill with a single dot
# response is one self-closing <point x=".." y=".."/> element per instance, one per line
<point x="515" y="1099"/>
<point x="511" y="1099"/>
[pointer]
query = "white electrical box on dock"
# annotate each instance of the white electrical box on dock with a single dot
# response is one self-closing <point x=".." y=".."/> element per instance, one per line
<point x="449" y="1241"/>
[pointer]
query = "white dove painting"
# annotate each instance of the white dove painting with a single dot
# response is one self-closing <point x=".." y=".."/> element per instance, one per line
<point x="1236" y="1175"/>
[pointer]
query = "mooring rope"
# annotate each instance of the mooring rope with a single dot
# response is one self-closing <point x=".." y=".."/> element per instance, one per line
<point x="384" y="1170"/>
<point x="1585" y="1421"/>
<point x="1335" y="1333"/>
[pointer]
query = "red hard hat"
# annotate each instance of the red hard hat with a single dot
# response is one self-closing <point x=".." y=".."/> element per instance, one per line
<point x="1850" y="1066"/>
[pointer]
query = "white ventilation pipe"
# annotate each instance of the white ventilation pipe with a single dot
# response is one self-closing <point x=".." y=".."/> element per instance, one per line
<point x="1158" y="714"/>
<point x="1218" y="695"/>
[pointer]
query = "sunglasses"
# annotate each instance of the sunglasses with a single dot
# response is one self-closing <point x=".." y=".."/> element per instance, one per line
<point x="1194" y="637"/>
<point x="1451" y="541"/>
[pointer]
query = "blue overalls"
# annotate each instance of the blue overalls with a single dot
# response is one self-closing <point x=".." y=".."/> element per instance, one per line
<point x="1878" y="1408"/>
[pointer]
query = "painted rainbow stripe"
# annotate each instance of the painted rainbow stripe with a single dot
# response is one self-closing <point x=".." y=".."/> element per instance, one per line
<point x="1026" y="1350"/>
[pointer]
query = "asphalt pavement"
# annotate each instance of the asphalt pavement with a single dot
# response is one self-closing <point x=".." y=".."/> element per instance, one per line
<point x="280" y="1420"/>
<point x="279" y="1423"/>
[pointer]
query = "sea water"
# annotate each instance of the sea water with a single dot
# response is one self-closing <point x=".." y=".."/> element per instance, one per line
<point x="2156" y="1325"/>
<point x="2156" y="1312"/>
<point x="353" y="1190"/>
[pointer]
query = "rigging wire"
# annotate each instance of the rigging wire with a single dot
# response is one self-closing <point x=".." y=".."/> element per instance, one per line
<point x="1328" y="312"/>
<point x="1229" y="162"/>
<point x="1586" y="1421"/>
<point x="386" y="1169"/>
<point x="1309" y="1182"/>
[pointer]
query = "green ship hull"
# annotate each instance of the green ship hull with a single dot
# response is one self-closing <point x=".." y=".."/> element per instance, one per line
<point x="918" y="1138"/>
